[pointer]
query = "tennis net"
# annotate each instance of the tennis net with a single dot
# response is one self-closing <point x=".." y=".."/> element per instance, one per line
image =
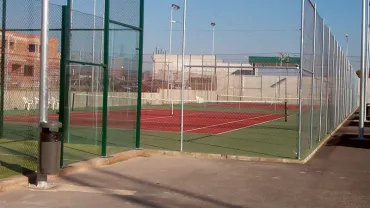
<point x="200" y="104"/>
<point x="154" y="106"/>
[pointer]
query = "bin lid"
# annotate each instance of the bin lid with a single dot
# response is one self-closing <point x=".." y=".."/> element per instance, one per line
<point x="51" y="124"/>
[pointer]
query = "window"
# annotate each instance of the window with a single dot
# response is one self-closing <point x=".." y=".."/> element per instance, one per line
<point x="28" y="71"/>
<point x="11" y="45"/>
<point x="32" y="48"/>
<point x="16" y="67"/>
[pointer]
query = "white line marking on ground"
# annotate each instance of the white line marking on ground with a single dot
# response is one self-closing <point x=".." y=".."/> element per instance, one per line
<point x="249" y="126"/>
<point x="230" y="122"/>
<point x="172" y="116"/>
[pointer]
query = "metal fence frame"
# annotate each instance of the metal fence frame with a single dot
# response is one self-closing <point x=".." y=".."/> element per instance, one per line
<point x="64" y="103"/>
<point x="332" y="98"/>
<point x="343" y="85"/>
<point x="64" y="28"/>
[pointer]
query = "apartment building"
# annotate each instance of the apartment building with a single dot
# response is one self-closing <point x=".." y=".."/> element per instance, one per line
<point x="22" y="60"/>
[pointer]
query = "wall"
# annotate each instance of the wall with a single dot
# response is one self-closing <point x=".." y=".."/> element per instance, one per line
<point x="252" y="88"/>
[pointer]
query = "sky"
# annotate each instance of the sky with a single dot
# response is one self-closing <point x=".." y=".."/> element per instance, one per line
<point x="243" y="27"/>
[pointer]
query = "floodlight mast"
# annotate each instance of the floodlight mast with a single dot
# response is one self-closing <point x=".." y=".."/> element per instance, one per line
<point x="182" y="76"/>
<point x="213" y="37"/>
<point x="173" y="7"/>
<point x="363" y="70"/>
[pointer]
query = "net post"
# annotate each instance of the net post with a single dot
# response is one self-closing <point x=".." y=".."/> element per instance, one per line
<point x="286" y="110"/>
<point x="105" y="79"/>
<point x="3" y="32"/>
<point x="140" y="70"/>
<point x="63" y="93"/>
<point x="73" y="102"/>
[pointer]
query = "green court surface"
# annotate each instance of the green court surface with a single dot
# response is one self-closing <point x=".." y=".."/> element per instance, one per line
<point x="18" y="152"/>
<point x="273" y="139"/>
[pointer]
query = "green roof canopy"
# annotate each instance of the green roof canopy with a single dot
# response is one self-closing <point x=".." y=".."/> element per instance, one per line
<point x="273" y="60"/>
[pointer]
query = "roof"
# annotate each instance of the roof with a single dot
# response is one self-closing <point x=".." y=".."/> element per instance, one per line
<point x="259" y="60"/>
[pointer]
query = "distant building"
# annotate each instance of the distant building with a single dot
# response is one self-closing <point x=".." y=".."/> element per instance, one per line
<point x="22" y="60"/>
<point x="203" y="70"/>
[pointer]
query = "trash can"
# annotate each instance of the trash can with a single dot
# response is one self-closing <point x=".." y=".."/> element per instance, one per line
<point x="50" y="144"/>
<point x="367" y="110"/>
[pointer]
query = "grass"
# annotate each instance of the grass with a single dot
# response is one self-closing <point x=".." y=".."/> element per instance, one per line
<point x="24" y="112"/>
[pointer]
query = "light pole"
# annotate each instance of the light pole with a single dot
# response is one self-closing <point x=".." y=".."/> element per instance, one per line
<point x="346" y="77"/>
<point x="346" y="45"/>
<point x="176" y="7"/>
<point x="93" y="48"/>
<point x="182" y="77"/>
<point x="213" y="37"/>
<point x="213" y="53"/>
<point x="366" y="77"/>
<point x="363" y="70"/>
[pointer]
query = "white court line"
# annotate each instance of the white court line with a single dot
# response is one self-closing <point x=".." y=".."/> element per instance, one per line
<point x="172" y="116"/>
<point x="249" y="126"/>
<point x="205" y="127"/>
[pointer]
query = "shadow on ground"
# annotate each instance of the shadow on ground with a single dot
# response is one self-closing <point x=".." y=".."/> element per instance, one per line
<point x="156" y="187"/>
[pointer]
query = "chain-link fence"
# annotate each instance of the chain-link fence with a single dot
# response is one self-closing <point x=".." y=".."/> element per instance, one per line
<point x="261" y="103"/>
<point x="20" y="75"/>
<point x="278" y="91"/>
<point x="93" y="74"/>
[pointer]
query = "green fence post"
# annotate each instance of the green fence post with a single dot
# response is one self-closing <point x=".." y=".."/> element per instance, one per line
<point x="3" y="30"/>
<point x="106" y="79"/>
<point x="64" y="86"/>
<point x="140" y="73"/>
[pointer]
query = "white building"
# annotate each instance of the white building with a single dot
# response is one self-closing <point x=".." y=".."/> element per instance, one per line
<point x="198" y="67"/>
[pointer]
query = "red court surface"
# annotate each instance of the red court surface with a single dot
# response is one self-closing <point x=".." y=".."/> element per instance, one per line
<point x="201" y="122"/>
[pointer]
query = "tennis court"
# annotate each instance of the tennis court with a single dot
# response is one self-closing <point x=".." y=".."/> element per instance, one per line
<point x="253" y="128"/>
<point x="202" y="118"/>
<point x="226" y="127"/>
<point x="203" y="122"/>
